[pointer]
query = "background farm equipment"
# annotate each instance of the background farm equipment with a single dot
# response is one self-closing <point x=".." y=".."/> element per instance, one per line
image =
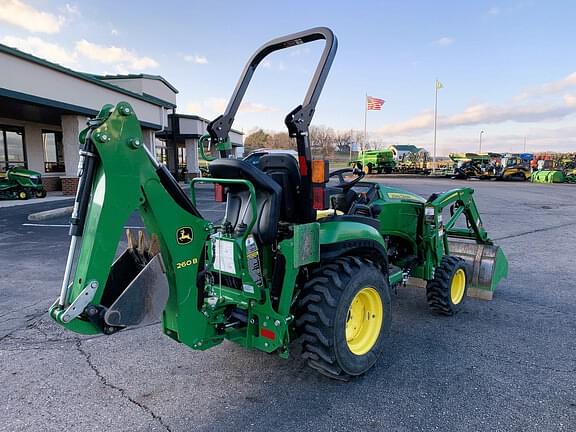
<point x="513" y="167"/>
<point x="413" y="163"/>
<point x="375" y="161"/>
<point x="20" y="183"/>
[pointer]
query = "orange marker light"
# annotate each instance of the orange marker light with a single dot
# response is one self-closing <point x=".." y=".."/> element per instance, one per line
<point x="319" y="171"/>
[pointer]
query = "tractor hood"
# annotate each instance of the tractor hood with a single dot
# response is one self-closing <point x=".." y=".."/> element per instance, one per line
<point x="395" y="194"/>
<point x="22" y="172"/>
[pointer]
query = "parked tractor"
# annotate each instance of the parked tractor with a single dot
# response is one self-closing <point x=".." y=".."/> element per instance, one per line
<point x="20" y="183"/>
<point x="375" y="161"/>
<point x="301" y="255"/>
<point x="513" y="167"/>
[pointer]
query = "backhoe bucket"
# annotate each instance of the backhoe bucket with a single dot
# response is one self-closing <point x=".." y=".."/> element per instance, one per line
<point x="487" y="266"/>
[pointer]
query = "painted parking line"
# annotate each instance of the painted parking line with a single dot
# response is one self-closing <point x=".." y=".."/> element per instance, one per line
<point x="68" y="225"/>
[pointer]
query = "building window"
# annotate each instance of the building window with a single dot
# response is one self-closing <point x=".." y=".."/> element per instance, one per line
<point x="53" y="152"/>
<point x="12" y="151"/>
<point x="181" y="158"/>
<point x="161" y="151"/>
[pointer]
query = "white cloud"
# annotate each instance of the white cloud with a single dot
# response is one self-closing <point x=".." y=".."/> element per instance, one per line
<point x="251" y="107"/>
<point x="296" y="52"/>
<point x="494" y="10"/>
<point x="216" y="105"/>
<point x="570" y="100"/>
<point x="552" y="87"/>
<point x="196" y="59"/>
<point x="38" y="47"/>
<point x="481" y="114"/>
<point x="444" y="41"/>
<point x="269" y="65"/>
<point x="72" y="9"/>
<point x="123" y="59"/>
<point x="20" y="14"/>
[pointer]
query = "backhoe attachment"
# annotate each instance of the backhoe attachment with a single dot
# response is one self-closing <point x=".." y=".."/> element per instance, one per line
<point x="154" y="277"/>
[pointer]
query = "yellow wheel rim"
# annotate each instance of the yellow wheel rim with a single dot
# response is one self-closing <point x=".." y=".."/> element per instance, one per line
<point x="457" y="287"/>
<point x="22" y="195"/>
<point x="364" y="320"/>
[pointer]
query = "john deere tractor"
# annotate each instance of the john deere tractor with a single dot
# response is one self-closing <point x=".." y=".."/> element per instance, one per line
<point x="20" y="183"/>
<point x="301" y="254"/>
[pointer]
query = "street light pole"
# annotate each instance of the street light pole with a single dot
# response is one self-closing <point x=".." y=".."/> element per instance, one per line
<point x="481" y="132"/>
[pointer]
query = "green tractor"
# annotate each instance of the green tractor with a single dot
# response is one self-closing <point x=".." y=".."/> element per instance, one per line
<point x="375" y="161"/>
<point x="300" y="254"/>
<point x="20" y="183"/>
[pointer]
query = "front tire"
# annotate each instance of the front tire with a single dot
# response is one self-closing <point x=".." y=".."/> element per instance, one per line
<point x="344" y="316"/>
<point x="23" y="194"/>
<point x="40" y="193"/>
<point x="446" y="292"/>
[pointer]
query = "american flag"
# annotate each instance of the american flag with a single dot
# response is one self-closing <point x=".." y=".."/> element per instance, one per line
<point x="373" y="103"/>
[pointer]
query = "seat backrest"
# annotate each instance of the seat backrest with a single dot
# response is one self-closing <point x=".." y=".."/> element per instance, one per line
<point x="268" y="197"/>
<point x="283" y="168"/>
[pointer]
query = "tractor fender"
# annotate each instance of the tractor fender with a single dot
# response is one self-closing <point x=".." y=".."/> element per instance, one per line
<point x="352" y="235"/>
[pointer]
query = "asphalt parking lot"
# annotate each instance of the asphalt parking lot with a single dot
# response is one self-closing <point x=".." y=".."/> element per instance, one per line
<point x="508" y="364"/>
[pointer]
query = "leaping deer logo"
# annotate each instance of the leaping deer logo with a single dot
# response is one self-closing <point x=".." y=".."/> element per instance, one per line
<point x="184" y="235"/>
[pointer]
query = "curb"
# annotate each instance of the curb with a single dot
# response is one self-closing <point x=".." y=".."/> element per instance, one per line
<point x="50" y="214"/>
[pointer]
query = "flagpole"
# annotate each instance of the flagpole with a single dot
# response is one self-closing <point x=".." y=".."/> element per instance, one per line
<point x="435" y="122"/>
<point x="365" y="116"/>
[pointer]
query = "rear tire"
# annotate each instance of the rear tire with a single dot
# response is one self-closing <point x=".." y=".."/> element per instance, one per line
<point x="447" y="291"/>
<point x="23" y="195"/>
<point x="40" y="194"/>
<point x="343" y="317"/>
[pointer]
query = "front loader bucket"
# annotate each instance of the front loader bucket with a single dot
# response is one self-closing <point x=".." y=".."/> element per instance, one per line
<point x="487" y="266"/>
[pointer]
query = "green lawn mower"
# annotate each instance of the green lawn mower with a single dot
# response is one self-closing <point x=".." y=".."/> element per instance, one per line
<point x="20" y="183"/>
<point x="301" y="255"/>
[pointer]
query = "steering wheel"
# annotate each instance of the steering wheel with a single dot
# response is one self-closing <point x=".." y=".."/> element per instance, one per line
<point x="343" y="184"/>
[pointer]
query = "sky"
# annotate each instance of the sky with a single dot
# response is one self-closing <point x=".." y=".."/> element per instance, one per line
<point x="508" y="67"/>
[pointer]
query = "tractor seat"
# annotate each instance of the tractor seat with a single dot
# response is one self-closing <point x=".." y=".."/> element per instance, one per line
<point x="268" y="197"/>
<point x="283" y="168"/>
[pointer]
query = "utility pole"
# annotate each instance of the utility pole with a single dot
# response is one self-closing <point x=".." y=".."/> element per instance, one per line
<point x="481" y="133"/>
<point x="437" y="86"/>
<point x="435" y="123"/>
<point x="524" y="144"/>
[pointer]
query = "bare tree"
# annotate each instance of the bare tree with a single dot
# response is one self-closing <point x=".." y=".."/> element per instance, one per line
<point x="343" y="141"/>
<point x="279" y="140"/>
<point x="322" y="140"/>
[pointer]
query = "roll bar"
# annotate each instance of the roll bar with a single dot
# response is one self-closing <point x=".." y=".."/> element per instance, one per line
<point x="220" y="127"/>
<point x="298" y="120"/>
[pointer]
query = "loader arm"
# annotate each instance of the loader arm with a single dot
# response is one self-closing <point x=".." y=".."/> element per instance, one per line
<point x="461" y="202"/>
<point x="117" y="178"/>
<point x="487" y="265"/>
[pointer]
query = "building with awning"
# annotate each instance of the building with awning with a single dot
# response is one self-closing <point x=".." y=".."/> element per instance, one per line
<point x="44" y="106"/>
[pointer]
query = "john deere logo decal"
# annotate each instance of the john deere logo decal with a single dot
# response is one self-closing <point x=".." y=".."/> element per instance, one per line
<point x="184" y="235"/>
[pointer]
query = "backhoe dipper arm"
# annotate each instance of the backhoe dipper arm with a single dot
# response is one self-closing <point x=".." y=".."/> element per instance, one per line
<point x="101" y="295"/>
<point x="298" y="120"/>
